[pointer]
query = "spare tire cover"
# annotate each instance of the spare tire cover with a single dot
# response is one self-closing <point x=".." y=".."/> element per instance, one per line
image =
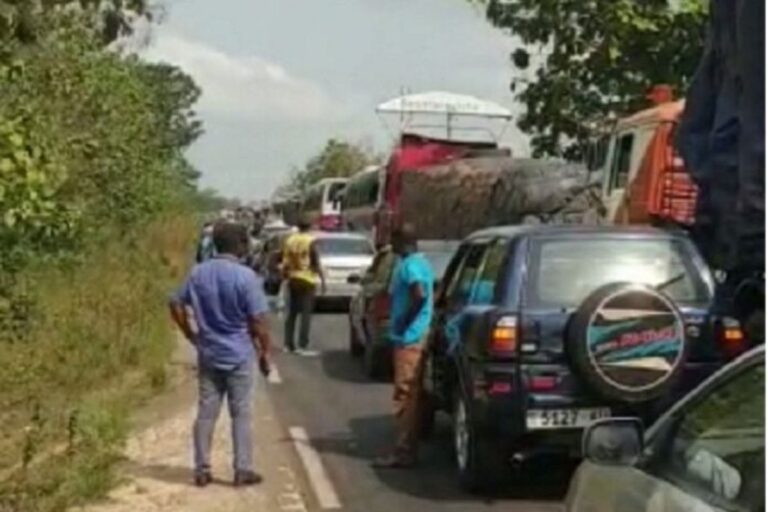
<point x="627" y="341"/>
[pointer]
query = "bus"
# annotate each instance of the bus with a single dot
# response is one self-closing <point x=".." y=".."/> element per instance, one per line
<point x="322" y="203"/>
<point x="362" y="198"/>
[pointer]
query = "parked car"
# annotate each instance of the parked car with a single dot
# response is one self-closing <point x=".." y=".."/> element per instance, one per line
<point x="369" y="309"/>
<point x="707" y="454"/>
<point x="341" y="256"/>
<point x="540" y="330"/>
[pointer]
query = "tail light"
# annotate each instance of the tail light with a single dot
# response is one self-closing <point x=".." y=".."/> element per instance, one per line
<point x="504" y="336"/>
<point x="731" y="338"/>
<point x="541" y="382"/>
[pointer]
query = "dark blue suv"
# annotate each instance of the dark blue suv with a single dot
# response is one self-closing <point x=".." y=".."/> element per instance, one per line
<point x="540" y="330"/>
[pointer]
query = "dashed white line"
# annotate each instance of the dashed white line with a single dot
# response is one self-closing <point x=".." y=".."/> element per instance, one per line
<point x="318" y="478"/>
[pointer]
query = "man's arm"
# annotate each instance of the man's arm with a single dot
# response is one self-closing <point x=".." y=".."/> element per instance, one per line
<point x="178" y="307"/>
<point x="181" y="319"/>
<point x="258" y="326"/>
<point x="314" y="262"/>
<point x="416" y="301"/>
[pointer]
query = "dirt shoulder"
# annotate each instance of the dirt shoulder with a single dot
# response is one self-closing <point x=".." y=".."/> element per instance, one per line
<point x="156" y="474"/>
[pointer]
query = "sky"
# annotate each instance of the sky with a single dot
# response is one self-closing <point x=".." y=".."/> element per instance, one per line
<point x="280" y="77"/>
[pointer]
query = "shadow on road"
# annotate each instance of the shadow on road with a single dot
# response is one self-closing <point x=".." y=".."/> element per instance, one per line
<point x="435" y="478"/>
<point x="175" y="475"/>
<point x="340" y="365"/>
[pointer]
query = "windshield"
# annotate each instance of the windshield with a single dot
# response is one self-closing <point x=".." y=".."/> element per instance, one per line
<point x="565" y="272"/>
<point x="344" y="246"/>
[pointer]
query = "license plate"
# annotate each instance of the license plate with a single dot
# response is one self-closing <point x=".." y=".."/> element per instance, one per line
<point x="546" y="419"/>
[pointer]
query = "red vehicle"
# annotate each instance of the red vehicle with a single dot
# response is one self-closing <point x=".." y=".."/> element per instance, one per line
<point x="417" y="150"/>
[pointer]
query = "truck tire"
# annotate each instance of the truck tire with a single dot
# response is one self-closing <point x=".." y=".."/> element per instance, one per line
<point x="627" y="342"/>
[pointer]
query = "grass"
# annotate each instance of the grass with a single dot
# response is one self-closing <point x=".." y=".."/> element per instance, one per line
<point x="96" y="342"/>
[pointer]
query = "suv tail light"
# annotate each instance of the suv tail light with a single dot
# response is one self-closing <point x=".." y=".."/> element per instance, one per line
<point x="731" y="338"/>
<point x="504" y="336"/>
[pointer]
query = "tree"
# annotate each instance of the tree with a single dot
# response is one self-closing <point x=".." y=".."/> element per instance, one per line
<point x="338" y="158"/>
<point x="598" y="59"/>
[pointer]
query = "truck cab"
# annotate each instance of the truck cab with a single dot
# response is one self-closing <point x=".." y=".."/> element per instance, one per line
<point x="644" y="181"/>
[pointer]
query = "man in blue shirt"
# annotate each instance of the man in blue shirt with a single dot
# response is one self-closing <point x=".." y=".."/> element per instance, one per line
<point x="410" y="293"/>
<point x="230" y="308"/>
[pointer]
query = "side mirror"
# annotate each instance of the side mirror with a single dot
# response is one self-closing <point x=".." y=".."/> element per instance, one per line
<point x="613" y="441"/>
<point x="354" y="279"/>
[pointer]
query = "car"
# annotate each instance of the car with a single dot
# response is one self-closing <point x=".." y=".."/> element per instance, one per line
<point x="540" y="330"/>
<point x="341" y="256"/>
<point x="706" y="454"/>
<point x="369" y="309"/>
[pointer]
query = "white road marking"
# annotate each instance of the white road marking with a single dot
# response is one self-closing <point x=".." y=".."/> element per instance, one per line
<point x="274" y="375"/>
<point x="318" y="478"/>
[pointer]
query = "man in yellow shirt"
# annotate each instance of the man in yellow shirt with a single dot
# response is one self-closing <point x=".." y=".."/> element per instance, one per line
<point x="301" y="268"/>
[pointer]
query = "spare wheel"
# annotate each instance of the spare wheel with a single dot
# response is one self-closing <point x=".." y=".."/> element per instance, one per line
<point x="627" y="342"/>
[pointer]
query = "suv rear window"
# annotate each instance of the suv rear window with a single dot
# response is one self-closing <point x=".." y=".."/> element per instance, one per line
<point x="564" y="272"/>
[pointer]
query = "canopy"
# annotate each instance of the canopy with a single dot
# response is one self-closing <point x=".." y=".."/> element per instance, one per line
<point x="444" y="103"/>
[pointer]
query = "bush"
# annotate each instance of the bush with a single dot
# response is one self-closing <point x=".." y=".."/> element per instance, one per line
<point x="98" y="340"/>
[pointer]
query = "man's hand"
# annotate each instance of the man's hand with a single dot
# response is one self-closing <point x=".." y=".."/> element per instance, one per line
<point x="265" y="364"/>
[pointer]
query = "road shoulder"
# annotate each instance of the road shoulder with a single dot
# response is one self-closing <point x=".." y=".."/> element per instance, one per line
<point x="156" y="474"/>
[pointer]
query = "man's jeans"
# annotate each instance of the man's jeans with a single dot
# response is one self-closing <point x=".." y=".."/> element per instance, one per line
<point x="301" y="302"/>
<point x="214" y="385"/>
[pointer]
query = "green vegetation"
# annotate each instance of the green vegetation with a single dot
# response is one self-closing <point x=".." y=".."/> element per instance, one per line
<point x="595" y="60"/>
<point x="338" y="158"/>
<point x="95" y="227"/>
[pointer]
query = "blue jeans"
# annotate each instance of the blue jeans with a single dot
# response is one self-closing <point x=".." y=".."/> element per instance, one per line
<point x="237" y="386"/>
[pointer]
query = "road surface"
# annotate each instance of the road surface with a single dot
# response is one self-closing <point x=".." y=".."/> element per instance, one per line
<point x="347" y="422"/>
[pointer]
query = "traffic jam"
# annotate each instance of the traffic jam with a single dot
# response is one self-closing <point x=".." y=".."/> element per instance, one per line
<point x="575" y="316"/>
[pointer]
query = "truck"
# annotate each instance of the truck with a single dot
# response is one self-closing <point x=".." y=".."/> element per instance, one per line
<point x="449" y="188"/>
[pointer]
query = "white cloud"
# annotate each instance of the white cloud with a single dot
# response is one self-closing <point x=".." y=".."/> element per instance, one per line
<point x="240" y="86"/>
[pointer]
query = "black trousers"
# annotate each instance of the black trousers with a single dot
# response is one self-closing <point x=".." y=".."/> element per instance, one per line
<point x="301" y="303"/>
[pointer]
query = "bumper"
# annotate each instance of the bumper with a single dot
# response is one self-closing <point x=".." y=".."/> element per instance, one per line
<point x="501" y="403"/>
<point x="339" y="290"/>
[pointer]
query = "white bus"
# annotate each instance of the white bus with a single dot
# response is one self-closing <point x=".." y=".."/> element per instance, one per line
<point x="322" y="203"/>
<point x="362" y="198"/>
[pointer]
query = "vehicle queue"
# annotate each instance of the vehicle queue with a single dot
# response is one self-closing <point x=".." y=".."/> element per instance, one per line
<point x="547" y="338"/>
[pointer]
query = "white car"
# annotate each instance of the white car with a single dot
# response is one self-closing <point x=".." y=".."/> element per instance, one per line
<point x="342" y="255"/>
<point x="706" y="454"/>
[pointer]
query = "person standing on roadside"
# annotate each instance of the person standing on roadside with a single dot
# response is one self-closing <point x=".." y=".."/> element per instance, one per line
<point x="301" y="268"/>
<point x="410" y="293"/>
<point x="230" y="311"/>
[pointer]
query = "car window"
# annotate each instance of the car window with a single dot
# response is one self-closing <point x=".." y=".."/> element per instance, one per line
<point x="565" y="271"/>
<point x="621" y="161"/>
<point x="717" y="450"/>
<point x="484" y="288"/>
<point x="453" y="271"/>
<point x="344" y="246"/>
<point x="461" y="288"/>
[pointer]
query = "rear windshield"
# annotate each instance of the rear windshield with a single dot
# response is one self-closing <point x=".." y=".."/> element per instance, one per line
<point x="565" y="272"/>
<point x="344" y="246"/>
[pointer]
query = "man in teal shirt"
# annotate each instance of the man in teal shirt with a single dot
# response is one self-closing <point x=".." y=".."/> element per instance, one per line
<point x="410" y="294"/>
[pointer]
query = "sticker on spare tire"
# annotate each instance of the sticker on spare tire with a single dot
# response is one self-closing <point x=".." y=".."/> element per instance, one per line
<point x="635" y="339"/>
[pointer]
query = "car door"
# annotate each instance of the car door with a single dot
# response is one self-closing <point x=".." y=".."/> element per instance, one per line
<point x="707" y="456"/>
<point x="438" y="373"/>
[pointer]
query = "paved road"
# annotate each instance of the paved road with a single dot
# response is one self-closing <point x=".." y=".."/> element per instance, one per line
<point x="347" y="421"/>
